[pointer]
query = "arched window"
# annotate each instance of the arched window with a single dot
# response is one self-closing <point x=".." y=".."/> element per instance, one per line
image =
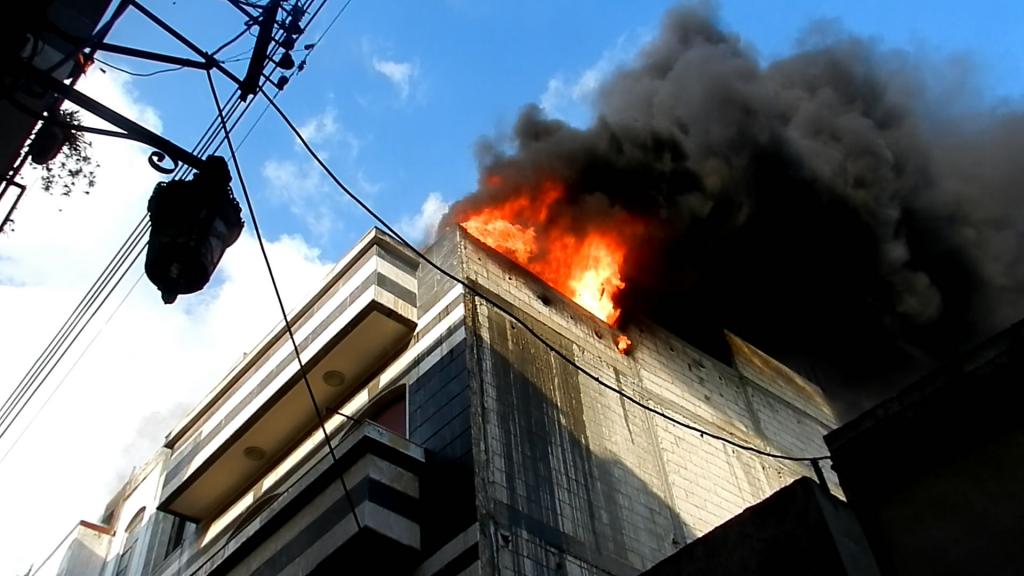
<point x="131" y="536"/>
<point x="389" y="411"/>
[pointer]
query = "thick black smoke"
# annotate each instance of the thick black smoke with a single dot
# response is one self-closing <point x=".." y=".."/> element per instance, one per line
<point x="827" y="207"/>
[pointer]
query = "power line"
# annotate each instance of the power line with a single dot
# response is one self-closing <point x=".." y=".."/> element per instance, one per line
<point x="504" y="310"/>
<point x="52" y="366"/>
<point x="139" y="74"/>
<point x="280" y="301"/>
<point x="71" y="369"/>
<point x="58" y="340"/>
<point x="330" y="24"/>
<point x="233" y="39"/>
<point x="228" y="60"/>
<point x="202" y="147"/>
<point x="33" y="572"/>
<point x="74" y="325"/>
<point x="136" y="243"/>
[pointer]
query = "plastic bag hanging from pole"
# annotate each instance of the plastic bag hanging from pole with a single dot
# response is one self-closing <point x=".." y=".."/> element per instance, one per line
<point x="193" y="222"/>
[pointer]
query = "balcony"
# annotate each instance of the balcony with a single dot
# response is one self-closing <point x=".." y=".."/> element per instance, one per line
<point x="364" y="314"/>
<point x="308" y="527"/>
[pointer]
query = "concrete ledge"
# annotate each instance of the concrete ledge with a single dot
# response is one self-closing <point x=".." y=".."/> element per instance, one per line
<point x="310" y="522"/>
<point x="800" y="529"/>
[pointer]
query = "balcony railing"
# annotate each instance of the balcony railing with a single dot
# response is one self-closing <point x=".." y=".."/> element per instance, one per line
<point x="362" y="316"/>
<point x="309" y="526"/>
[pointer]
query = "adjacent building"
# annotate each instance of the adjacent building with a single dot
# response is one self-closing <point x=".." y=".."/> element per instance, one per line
<point x="461" y="444"/>
<point x="799" y="530"/>
<point x="935" y="473"/>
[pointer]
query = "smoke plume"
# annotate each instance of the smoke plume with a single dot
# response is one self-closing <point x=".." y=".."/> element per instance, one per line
<point x="844" y="209"/>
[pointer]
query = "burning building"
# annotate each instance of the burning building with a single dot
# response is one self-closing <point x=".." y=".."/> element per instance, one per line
<point x="466" y="445"/>
<point x="826" y="206"/>
<point x="814" y="206"/>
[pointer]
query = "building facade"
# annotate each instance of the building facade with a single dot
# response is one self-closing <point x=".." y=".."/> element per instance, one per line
<point x="461" y="444"/>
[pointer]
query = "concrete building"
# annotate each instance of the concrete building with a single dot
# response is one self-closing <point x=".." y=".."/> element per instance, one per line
<point x="935" y="473"/>
<point x="476" y="449"/>
<point x="933" y="476"/>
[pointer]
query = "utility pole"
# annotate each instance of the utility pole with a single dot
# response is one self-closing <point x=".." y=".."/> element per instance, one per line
<point x="192" y="217"/>
<point x="192" y="221"/>
<point x="32" y="75"/>
<point x="250" y="83"/>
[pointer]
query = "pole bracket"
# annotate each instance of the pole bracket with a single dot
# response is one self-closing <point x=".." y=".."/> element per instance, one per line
<point x="164" y="149"/>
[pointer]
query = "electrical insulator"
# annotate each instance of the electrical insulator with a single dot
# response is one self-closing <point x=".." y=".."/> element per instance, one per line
<point x="193" y="222"/>
<point x="286" y="62"/>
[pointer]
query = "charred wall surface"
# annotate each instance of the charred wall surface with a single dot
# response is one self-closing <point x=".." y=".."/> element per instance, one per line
<point x="572" y="478"/>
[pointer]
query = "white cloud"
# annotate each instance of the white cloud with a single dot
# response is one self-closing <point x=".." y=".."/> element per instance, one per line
<point x="421" y="227"/>
<point x="320" y="128"/>
<point x="288" y="178"/>
<point x="559" y="91"/>
<point x="324" y="129"/>
<point x="303" y="189"/>
<point x="149" y="364"/>
<point x="364" y="186"/>
<point x="404" y="75"/>
<point x="570" y="98"/>
<point x="401" y="74"/>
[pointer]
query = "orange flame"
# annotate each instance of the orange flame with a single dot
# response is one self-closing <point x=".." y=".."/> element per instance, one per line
<point x="584" y="265"/>
<point x="623" y="344"/>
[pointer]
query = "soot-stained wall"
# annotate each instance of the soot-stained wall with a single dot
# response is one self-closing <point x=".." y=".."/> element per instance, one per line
<point x="573" y="479"/>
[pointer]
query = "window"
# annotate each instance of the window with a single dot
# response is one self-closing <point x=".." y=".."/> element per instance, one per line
<point x="176" y="536"/>
<point x="125" y="560"/>
<point x="131" y="536"/>
<point x="389" y="411"/>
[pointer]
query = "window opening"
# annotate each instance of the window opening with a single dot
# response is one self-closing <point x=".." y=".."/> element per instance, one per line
<point x="131" y="536"/>
<point x="390" y="412"/>
<point x="176" y="537"/>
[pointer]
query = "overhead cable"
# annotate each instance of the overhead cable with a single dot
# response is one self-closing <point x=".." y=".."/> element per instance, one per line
<point x="139" y="74"/>
<point x="74" y="364"/>
<point x="280" y="300"/>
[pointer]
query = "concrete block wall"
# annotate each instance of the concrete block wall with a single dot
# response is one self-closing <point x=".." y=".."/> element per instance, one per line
<point x="575" y="479"/>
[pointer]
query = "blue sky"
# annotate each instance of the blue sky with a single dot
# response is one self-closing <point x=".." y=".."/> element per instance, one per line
<point x="462" y="69"/>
